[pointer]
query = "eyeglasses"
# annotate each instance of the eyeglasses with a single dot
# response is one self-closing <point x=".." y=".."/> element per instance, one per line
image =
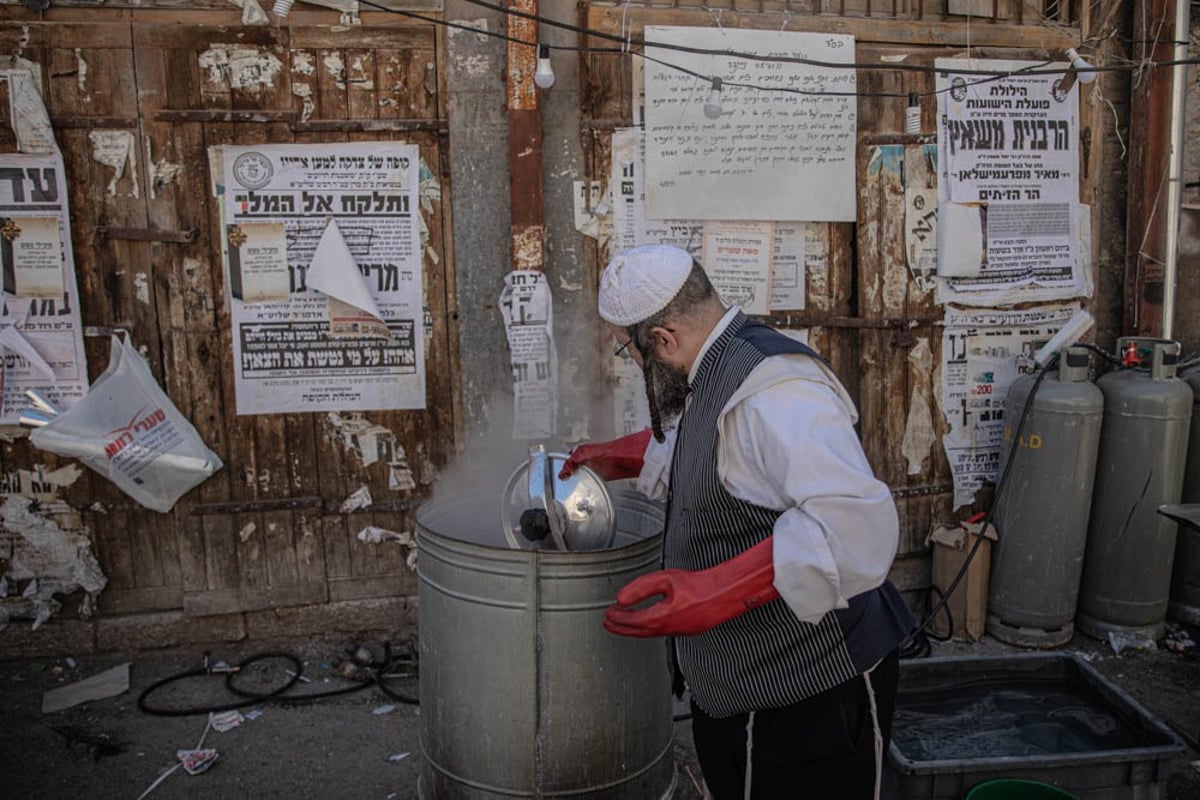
<point x="622" y="348"/>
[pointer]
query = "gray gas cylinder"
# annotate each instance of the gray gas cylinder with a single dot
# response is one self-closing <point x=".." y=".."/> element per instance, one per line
<point x="524" y="694"/>
<point x="1185" y="580"/>
<point x="1131" y="547"/>
<point x="1042" y="511"/>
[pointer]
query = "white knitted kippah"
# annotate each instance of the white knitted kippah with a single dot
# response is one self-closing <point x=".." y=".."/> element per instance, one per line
<point x="640" y="282"/>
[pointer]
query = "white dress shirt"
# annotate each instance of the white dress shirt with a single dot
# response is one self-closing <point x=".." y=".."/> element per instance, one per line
<point x="786" y="441"/>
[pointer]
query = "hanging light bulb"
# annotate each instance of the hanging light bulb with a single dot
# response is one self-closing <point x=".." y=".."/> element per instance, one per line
<point x="1083" y="70"/>
<point x="544" y="76"/>
<point x="712" y="106"/>
<point x="283" y="8"/>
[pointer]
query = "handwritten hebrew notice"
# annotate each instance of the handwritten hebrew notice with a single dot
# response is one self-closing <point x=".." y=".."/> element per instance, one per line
<point x="783" y="145"/>
<point x="1007" y="156"/>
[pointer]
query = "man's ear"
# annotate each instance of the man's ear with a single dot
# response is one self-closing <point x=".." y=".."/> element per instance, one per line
<point x="664" y="338"/>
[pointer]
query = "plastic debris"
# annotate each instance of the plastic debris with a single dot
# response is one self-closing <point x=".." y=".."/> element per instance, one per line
<point x="383" y="710"/>
<point x="196" y="761"/>
<point x="398" y="757"/>
<point x="253" y="714"/>
<point x="1119" y="641"/>
<point x="225" y="720"/>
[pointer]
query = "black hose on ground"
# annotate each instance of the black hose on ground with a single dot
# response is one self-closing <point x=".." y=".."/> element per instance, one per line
<point x="376" y="674"/>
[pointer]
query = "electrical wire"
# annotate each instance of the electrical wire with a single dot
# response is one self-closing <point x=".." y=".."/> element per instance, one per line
<point x="987" y="75"/>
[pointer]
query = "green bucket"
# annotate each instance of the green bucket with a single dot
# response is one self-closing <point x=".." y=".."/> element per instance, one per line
<point x="1016" y="789"/>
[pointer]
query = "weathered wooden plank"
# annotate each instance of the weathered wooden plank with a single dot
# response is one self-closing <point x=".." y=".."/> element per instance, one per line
<point x="403" y="37"/>
<point x="139" y="600"/>
<point x="388" y="585"/>
<point x="946" y="33"/>
<point x="331" y="96"/>
<point x="198" y="38"/>
<point x="253" y="598"/>
<point x="361" y="83"/>
<point x="28" y="34"/>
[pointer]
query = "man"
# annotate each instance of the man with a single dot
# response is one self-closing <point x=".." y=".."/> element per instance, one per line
<point x="778" y="540"/>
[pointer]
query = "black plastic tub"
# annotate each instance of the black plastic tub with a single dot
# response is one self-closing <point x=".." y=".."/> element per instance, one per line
<point x="1048" y="717"/>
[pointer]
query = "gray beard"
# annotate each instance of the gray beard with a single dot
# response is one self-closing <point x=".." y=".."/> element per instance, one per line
<point x="670" y="388"/>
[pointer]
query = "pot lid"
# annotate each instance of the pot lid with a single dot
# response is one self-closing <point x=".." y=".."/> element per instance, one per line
<point x="541" y="511"/>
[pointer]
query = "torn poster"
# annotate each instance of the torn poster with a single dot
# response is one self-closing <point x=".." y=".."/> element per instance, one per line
<point x="747" y="161"/>
<point x="983" y="351"/>
<point x="29" y="118"/>
<point x="258" y="265"/>
<point x="593" y="210"/>
<point x="41" y="336"/>
<point x="1007" y="184"/>
<point x="45" y="558"/>
<point x="345" y="208"/>
<point x="631" y="227"/>
<point x="526" y="305"/>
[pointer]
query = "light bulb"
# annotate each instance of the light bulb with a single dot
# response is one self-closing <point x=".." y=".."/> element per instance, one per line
<point x="1083" y="70"/>
<point x="712" y="106"/>
<point x="283" y="7"/>
<point x="544" y="76"/>
<point x="912" y="114"/>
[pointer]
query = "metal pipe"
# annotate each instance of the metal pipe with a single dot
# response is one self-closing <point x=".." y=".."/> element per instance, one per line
<point x="1175" y="164"/>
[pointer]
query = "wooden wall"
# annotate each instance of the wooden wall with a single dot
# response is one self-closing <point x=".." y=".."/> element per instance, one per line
<point x="868" y="317"/>
<point x="267" y="530"/>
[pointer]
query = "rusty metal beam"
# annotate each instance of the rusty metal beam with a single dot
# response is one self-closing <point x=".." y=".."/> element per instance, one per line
<point x="525" y="141"/>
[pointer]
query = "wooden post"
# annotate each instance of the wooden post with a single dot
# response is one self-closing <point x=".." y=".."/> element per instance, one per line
<point x="1150" y="115"/>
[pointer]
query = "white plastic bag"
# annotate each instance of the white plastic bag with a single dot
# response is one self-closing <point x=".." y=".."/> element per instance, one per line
<point x="128" y="430"/>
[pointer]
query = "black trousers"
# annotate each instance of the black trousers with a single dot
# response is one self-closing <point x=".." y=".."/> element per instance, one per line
<point x="822" y="748"/>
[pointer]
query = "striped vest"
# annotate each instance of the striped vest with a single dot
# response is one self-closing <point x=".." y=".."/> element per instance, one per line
<point x="765" y="658"/>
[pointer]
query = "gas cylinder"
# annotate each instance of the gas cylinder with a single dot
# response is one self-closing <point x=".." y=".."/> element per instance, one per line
<point x="1143" y="440"/>
<point x="1185" y="580"/>
<point x="1042" y="510"/>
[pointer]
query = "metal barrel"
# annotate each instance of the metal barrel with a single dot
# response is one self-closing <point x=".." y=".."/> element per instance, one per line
<point x="1131" y="547"/>
<point x="523" y="691"/>
<point x="1042" y="513"/>
<point x="1185" y="578"/>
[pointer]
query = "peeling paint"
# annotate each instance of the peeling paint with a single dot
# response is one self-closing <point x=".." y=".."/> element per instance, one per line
<point x="372" y="443"/>
<point x="479" y="28"/>
<point x="116" y="149"/>
<point x="475" y="66"/>
<point x="376" y="535"/>
<point x="305" y="93"/>
<point x="39" y="483"/>
<point x="919" y="435"/>
<point x="162" y="172"/>
<point x="336" y="67"/>
<point x="359" y="499"/>
<point x="360" y="73"/>
<point x="247" y="531"/>
<point x="245" y="68"/>
<point x="528" y="248"/>
<point x="47" y="560"/>
<point x="252" y="12"/>
<point x="303" y="64"/>
<point x="81" y="70"/>
<point x="141" y="286"/>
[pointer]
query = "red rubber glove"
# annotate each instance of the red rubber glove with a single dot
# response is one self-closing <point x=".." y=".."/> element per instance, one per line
<point x="693" y="602"/>
<point x="620" y="458"/>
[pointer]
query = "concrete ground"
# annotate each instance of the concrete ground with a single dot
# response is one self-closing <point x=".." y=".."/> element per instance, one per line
<point x="353" y="745"/>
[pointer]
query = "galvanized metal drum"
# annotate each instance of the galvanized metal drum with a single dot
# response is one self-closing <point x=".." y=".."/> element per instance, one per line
<point x="523" y="692"/>
<point x="1185" y="580"/>
<point x="1130" y="546"/>
<point x="1042" y="514"/>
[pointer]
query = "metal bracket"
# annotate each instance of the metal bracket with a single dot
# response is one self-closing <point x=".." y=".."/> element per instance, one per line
<point x="146" y="235"/>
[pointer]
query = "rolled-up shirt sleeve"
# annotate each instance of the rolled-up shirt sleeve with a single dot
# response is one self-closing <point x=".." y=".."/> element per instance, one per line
<point x="792" y="447"/>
